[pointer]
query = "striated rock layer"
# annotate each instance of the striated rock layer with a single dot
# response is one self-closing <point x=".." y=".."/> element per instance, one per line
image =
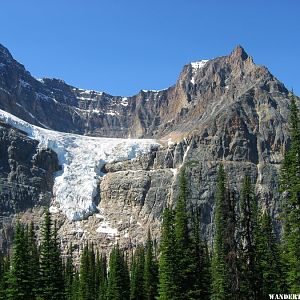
<point x="226" y="109"/>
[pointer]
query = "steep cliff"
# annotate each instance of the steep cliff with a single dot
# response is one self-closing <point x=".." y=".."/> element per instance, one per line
<point x="225" y="110"/>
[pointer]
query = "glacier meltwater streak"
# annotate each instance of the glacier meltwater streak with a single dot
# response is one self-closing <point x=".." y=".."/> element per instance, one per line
<point x="81" y="158"/>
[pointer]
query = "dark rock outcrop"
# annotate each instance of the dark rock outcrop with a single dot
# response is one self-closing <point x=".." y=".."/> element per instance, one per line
<point x="26" y="172"/>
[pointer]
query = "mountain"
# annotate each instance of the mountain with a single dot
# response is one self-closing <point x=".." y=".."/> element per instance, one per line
<point x="226" y="109"/>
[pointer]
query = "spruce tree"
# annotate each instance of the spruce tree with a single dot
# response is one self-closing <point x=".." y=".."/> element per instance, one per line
<point x="69" y="274"/>
<point x="118" y="277"/>
<point x="150" y="271"/>
<point x="18" y="280"/>
<point x="102" y="275"/>
<point x="185" y="265"/>
<point x="290" y="188"/>
<point x="168" y="275"/>
<point x="33" y="261"/>
<point x="249" y="268"/>
<point x="137" y="274"/>
<point x="221" y="285"/>
<point x="269" y="258"/>
<point x="51" y="270"/>
<point x="85" y="274"/>
<point x="201" y="277"/>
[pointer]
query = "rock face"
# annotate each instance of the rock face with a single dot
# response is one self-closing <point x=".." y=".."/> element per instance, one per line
<point x="226" y="110"/>
<point x="26" y="172"/>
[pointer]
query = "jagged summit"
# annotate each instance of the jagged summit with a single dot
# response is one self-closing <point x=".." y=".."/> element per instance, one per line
<point x="181" y="108"/>
<point x="227" y="110"/>
<point x="239" y="52"/>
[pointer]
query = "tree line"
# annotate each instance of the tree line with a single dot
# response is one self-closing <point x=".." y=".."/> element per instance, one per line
<point x="245" y="260"/>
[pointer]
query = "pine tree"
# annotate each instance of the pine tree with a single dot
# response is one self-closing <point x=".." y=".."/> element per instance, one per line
<point x="150" y="271"/>
<point x="221" y="285"/>
<point x="290" y="187"/>
<point x="118" y="277"/>
<point x="168" y="275"/>
<point x="137" y="274"/>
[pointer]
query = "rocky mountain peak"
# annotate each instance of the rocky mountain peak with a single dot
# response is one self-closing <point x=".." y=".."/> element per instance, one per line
<point x="4" y="53"/>
<point x="239" y="53"/>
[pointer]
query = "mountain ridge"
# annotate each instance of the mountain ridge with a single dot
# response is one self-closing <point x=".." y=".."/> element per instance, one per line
<point x="226" y="110"/>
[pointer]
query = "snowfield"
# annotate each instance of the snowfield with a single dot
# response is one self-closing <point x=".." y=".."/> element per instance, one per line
<point x="81" y="158"/>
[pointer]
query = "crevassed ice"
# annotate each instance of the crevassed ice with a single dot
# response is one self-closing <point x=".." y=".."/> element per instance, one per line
<point x="81" y="158"/>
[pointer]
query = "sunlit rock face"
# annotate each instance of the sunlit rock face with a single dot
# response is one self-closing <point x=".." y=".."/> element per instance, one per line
<point x="224" y="110"/>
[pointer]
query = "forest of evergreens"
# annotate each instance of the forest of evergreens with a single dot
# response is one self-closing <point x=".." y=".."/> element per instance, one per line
<point x="246" y="260"/>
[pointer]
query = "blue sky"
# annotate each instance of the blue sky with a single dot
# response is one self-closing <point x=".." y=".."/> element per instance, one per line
<point x="122" y="46"/>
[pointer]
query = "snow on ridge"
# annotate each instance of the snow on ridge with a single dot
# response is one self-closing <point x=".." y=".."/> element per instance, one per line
<point x="197" y="65"/>
<point x="81" y="158"/>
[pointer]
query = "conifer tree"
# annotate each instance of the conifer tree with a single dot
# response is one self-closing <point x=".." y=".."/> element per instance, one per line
<point x="85" y="274"/>
<point x="75" y="287"/>
<point x="51" y="277"/>
<point x="33" y="260"/>
<point x="118" y="277"/>
<point x="269" y="258"/>
<point x="250" y="271"/>
<point x="201" y="278"/>
<point x="150" y="271"/>
<point x="290" y="187"/>
<point x="102" y="275"/>
<point x="137" y="274"/>
<point x="69" y="275"/>
<point x="185" y="265"/>
<point x="18" y="280"/>
<point x="221" y="286"/>
<point x="168" y="275"/>
<point x="4" y="271"/>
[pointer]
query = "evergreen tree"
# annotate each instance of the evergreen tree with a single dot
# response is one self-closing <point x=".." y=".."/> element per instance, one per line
<point x="201" y="278"/>
<point x="221" y="285"/>
<point x="250" y="272"/>
<point x="168" y="275"/>
<point x="185" y="265"/>
<point x="269" y="258"/>
<point x="86" y="273"/>
<point x="76" y="287"/>
<point x="150" y="271"/>
<point x="118" y="277"/>
<point x="69" y="275"/>
<point x="33" y="261"/>
<point x="137" y="274"/>
<point x="4" y="274"/>
<point x="102" y="277"/>
<point x="290" y="187"/>
<point x="51" y="277"/>
<point x="18" y="280"/>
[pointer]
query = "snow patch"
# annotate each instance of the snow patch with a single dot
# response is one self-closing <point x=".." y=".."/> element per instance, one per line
<point x="81" y="158"/>
<point x="124" y="101"/>
<point x="24" y="84"/>
<point x="197" y="65"/>
<point x="53" y="209"/>
<point x="105" y="228"/>
<point x="2" y="65"/>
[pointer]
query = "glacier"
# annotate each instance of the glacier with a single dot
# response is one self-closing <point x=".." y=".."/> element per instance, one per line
<point x="81" y="158"/>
